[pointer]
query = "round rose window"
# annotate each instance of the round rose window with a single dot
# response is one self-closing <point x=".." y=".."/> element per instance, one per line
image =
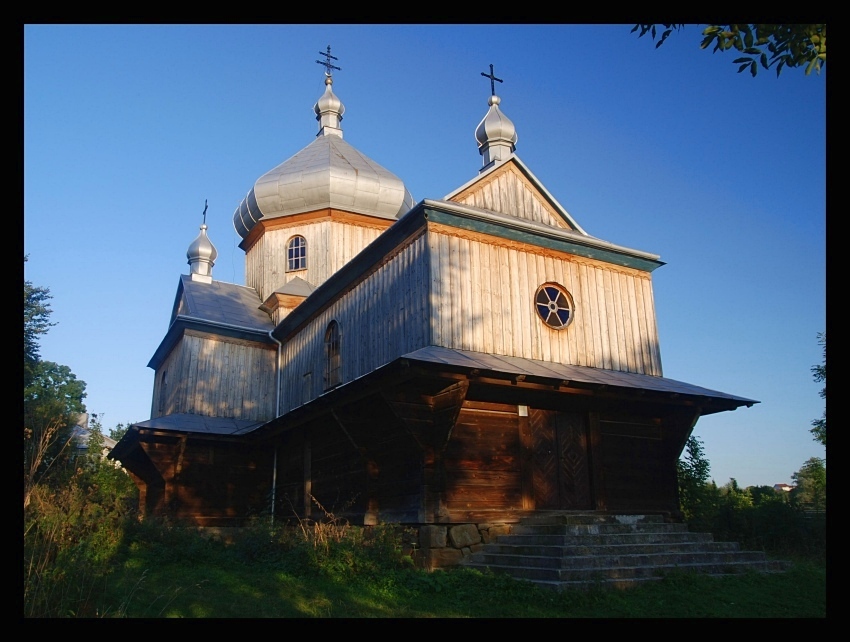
<point x="554" y="305"/>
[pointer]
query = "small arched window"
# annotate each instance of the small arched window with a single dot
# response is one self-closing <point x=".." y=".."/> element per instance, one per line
<point x="333" y="358"/>
<point x="296" y="254"/>
<point x="163" y="391"/>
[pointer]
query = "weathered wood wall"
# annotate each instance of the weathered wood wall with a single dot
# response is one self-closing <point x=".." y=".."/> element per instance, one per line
<point x="202" y="481"/>
<point x="216" y="376"/>
<point x="482" y="462"/>
<point x="482" y="299"/>
<point x="507" y="191"/>
<point x="380" y="318"/>
<point x="331" y="243"/>
<point x="356" y="462"/>
<point x="637" y="464"/>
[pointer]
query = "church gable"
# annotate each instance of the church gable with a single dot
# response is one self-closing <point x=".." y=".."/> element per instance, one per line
<point x="511" y="189"/>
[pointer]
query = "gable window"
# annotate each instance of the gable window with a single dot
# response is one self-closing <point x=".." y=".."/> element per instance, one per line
<point x="296" y="254"/>
<point x="333" y="360"/>
<point x="554" y="305"/>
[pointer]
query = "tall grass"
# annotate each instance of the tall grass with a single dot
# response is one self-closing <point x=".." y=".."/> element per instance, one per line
<point x="73" y="532"/>
<point x="86" y="555"/>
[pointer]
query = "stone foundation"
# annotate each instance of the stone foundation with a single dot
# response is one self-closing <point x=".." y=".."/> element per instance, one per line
<point x="441" y="546"/>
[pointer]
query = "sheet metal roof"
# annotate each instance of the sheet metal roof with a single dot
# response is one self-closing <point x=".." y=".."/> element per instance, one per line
<point x="220" y="302"/>
<point x="184" y="422"/>
<point x="564" y="372"/>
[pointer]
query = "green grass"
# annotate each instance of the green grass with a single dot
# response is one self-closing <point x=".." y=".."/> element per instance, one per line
<point x="248" y="580"/>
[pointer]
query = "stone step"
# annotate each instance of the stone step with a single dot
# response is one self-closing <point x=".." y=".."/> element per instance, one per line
<point x="564" y="550"/>
<point x="506" y="546"/>
<point x="554" y="517"/>
<point x="600" y="540"/>
<point x="597" y="529"/>
<point x="597" y="562"/>
<point x="593" y="574"/>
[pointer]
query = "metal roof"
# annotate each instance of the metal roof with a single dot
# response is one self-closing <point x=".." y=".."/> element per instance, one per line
<point x="184" y="422"/>
<point x="329" y="172"/>
<point x="219" y="308"/>
<point x="218" y="302"/>
<point x="565" y="372"/>
<point x="296" y="286"/>
<point x="508" y="226"/>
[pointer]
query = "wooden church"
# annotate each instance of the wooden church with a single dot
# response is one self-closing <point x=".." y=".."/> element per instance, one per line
<point x="464" y="360"/>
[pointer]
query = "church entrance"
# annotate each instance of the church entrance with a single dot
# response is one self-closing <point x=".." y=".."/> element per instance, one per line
<point x="560" y="464"/>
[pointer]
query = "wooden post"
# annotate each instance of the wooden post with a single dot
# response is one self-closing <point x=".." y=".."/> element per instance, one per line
<point x="308" y="480"/>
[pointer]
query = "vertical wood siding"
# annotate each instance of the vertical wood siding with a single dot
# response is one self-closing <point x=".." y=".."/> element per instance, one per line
<point x="380" y="318"/>
<point x="330" y="245"/>
<point x="482" y="300"/>
<point x="507" y="192"/>
<point x="217" y="377"/>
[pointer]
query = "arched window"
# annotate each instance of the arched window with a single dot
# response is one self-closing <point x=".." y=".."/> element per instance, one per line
<point x="296" y="254"/>
<point x="163" y="391"/>
<point x="333" y="359"/>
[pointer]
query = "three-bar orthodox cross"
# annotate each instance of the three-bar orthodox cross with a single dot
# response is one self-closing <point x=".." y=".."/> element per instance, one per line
<point x="327" y="63"/>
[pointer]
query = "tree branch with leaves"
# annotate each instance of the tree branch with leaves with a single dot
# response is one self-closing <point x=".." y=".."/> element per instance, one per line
<point x="765" y="45"/>
<point x="818" y="428"/>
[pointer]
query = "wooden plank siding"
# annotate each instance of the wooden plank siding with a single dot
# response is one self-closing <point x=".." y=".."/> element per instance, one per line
<point x="331" y="243"/>
<point x="490" y="309"/>
<point x="464" y="290"/>
<point x="217" y="377"/>
<point x="482" y="461"/>
<point x="380" y="318"/>
<point x="507" y="191"/>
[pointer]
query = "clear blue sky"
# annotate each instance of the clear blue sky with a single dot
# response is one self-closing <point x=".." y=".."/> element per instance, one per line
<point x="129" y="129"/>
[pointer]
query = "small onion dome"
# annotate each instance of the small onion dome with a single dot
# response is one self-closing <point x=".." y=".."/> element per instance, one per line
<point x="329" y="110"/>
<point x="496" y="134"/>
<point x="327" y="173"/>
<point x="201" y="254"/>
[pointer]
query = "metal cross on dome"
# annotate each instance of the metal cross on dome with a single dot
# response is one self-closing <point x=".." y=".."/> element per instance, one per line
<point x="492" y="77"/>
<point x="205" y="211"/>
<point x="327" y="63"/>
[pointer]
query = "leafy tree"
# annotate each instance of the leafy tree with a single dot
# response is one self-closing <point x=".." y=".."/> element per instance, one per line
<point x="693" y="471"/>
<point x="818" y="428"/>
<point x="788" y="45"/>
<point x="811" y="485"/>
<point x="53" y="402"/>
<point x="36" y="322"/>
<point x="53" y="396"/>
<point x="765" y="495"/>
<point x="119" y="431"/>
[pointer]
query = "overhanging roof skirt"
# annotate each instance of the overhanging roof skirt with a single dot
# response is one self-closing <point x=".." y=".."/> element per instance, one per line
<point x="564" y="372"/>
<point x="185" y="422"/>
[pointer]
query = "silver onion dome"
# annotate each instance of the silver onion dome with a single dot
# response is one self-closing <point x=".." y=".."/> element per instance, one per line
<point x="201" y="254"/>
<point x="327" y="173"/>
<point x="329" y="110"/>
<point x="496" y="134"/>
